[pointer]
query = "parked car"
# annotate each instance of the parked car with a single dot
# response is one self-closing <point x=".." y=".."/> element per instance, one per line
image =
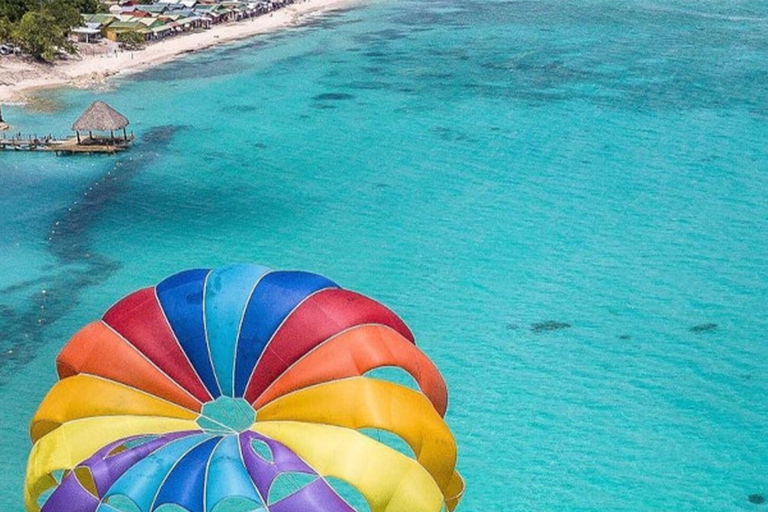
<point x="8" y="49"/>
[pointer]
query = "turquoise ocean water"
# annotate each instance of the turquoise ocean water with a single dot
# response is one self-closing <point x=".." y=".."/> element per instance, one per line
<point x="481" y="167"/>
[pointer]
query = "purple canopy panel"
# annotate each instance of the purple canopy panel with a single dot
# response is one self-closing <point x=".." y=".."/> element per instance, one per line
<point x="317" y="497"/>
<point x="70" y="494"/>
<point x="263" y="472"/>
<point x="107" y="470"/>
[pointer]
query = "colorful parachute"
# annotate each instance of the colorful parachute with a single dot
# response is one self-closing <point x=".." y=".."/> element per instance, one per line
<point x="215" y="389"/>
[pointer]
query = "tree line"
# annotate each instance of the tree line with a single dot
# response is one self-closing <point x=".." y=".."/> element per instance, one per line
<point x="40" y="27"/>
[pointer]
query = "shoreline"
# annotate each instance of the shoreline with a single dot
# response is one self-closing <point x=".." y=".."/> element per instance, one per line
<point x="89" y="71"/>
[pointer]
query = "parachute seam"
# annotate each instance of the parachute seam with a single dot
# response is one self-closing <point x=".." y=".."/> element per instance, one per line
<point x="106" y="493"/>
<point x="216" y="422"/>
<point x="77" y="420"/>
<point x="440" y="420"/>
<point x="277" y="329"/>
<point x="332" y="382"/>
<point x="310" y="351"/>
<point x="319" y="474"/>
<point x="99" y="377"/>
<point x="388" y="448"/>
<point x="173" y="466"/>
<point x="146" y="358"/>
<point x="207" y="469"/>
<point x="250" y="478"/>
<point x="178" y="344"/>
<point x="239" y="330"/>
<point x="325" y="342"/>
<point x="205" y="333"/>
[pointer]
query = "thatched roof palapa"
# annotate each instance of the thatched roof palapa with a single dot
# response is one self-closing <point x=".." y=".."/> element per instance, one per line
<point x="100" y="117"/>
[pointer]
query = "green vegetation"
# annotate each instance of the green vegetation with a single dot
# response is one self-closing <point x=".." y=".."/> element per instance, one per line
<point x="131" y="40"/>
<point x="41" y="35"/>
<point x="6" y="29"/>
<point x="40" y="27"/>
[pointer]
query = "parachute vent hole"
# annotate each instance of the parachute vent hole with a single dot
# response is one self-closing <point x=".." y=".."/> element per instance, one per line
<point x="237" y="504"/>
<point x="170" y="507"/>
<point x="121" y="503"/>
<point x="389" y="439"/>
<point x="287" y="484"/>
<point x="131" y="444"/>
<point x="58" y="475"/>
<point x="139" y="441"/>
<point x="393" y="374"/>
<point x="114" y="451"/>
<point x="262" y="450"/>
<point x="44" y="496"/>
<point x="350" y="494"/>
<point x="85" y="479"/>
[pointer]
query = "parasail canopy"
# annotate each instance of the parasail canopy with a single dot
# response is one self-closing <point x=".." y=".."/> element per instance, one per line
<point x="242" y="389"/>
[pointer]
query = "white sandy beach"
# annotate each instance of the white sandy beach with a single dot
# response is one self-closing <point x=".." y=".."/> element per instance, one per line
<point x="18" y="78"/>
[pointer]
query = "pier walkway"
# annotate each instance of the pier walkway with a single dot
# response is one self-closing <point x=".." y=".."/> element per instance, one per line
<point x="66" y="146"/>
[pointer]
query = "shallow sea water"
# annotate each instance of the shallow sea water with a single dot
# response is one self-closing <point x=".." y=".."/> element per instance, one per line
<point x="566" y="201"/>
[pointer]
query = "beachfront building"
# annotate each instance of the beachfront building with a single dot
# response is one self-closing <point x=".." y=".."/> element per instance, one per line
<point x="178" y="4"/>
<point x="88" y="33"/>
<point x="212" y="13"/>
<point x="156" y="28"/>
<point x="93" y="28"/>
<point x="167" y="18"/>
<point x="100" y="19"/>
<point x="116" y="29"/>
<point x="149" y="10"/>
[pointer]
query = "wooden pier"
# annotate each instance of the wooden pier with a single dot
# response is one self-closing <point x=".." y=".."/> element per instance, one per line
<point x="99" y="117"/>
<point x="65" y="146"/>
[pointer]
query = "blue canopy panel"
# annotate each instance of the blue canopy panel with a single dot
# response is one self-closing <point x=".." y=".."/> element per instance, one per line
<point x="185" y="484"/>
<point x="276" y="295"/>
<point x="227" y="292"/>
<point x="140" y="482"/>
<point x="181" y="297"/>
<point x="228" y="476"/>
